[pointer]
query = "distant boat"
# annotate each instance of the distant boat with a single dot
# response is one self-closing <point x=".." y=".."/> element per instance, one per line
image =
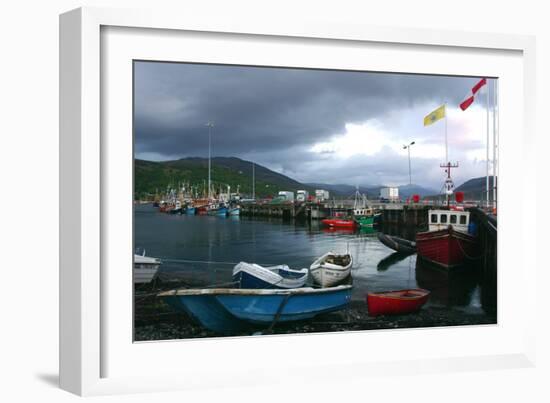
<point x="177" y="208"/>
<point x="145" y="268"/>
<point x="221" y="212"/>
<point x="362" y="214"/>
<point x="190" y="210"/>
<point x="331" y="269"/>
<point x="368" y="220"/>
<point x="201" y="210"/>
<point x="400" y="245"/>
<point x="396" y="302"/>
<point x="339" y="222"/>
<point x="217" y="210"/>
<point x="251" y="275"/>
<point x="231" y="310"/>
<point x="234" y="211"/>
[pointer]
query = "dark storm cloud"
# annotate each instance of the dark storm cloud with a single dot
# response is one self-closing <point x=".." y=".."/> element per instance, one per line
<point x="270" y="115"/>
<point x="265" y="108"/>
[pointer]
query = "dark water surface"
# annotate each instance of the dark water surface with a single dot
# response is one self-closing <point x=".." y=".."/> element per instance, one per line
<point x="211" y="246"/>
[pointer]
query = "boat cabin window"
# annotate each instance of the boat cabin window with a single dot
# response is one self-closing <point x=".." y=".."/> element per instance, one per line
<point x="463" y="219"/>
<point x="443" y="218"/>
<point x="434" y="218"/>
<point x="453" y="218"/>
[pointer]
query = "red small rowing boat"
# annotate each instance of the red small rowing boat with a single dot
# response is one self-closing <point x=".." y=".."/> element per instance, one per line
<point x="339" y="222"/>
<point x="396" y="302"/>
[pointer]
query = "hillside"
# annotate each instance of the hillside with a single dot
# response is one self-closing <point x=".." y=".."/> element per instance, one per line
<point x="474" y="189"/>
<point x="152" y="176"/>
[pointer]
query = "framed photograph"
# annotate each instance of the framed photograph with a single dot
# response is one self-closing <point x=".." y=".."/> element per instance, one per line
<point x="251" y="195"/>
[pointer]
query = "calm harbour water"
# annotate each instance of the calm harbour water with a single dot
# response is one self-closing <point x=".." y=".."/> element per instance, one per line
<point x="211" y="246"/>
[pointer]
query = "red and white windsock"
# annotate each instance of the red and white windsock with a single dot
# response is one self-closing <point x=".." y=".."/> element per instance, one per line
<point x="470" y="97"/>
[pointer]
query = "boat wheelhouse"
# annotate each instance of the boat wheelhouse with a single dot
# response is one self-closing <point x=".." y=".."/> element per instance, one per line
<point x="441" y="219"/>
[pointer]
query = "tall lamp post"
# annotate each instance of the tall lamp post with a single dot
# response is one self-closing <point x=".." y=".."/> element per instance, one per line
<point x="408" y="147"/>
<point x="210" y="125"/>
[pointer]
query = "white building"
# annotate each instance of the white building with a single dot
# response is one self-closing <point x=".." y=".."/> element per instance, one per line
<point x="321" y="195"/>
<point x="389" y="193"/>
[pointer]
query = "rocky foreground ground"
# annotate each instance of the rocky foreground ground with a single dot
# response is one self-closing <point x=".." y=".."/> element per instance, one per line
<point x="155" y="320"/>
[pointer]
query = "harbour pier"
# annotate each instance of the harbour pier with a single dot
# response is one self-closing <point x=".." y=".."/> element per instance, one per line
<point x="392" y="213"/>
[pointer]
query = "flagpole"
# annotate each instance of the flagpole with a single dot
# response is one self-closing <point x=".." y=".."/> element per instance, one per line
<point x="446" y="145"/>
<point x="495" y="159"/>
<point x="487" y="156"/>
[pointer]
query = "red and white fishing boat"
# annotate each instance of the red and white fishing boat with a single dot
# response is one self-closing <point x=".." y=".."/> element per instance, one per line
<point x="449" y="241"/>
<point x="396" y="302"/>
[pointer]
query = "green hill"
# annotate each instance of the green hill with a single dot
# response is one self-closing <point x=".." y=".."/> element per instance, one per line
<point x="151" y="176"/>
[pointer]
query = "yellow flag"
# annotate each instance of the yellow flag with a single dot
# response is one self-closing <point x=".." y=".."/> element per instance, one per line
<point x="439" y="113"/>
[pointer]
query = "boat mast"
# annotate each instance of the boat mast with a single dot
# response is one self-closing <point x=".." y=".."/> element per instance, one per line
<point x="449" y="186"/>
<point x="253" y="181"/>
<point x="210" y="125"/>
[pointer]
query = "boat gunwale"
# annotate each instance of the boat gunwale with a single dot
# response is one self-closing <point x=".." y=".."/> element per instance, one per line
<point x="321" y="262"/>
<point x="252" y="291"/>
<point x="442" y="234"/>
<point x="385" y="294"/>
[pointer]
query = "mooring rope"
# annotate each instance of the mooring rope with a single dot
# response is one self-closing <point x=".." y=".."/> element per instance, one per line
<point x="468" y="256"/>
<point x="208" y="262"/>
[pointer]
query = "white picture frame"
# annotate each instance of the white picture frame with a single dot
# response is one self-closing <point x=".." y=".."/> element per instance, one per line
<point x="85" y="307"/>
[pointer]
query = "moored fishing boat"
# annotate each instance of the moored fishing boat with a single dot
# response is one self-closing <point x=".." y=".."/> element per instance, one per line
<point x="338" y="222"/>
<point x="396" y="302"/>
<point x="230" y="310"/>
<point x="220" y="211"/>
<point x="177" y="208"/>
<point x="189" y="210"/>
<point x="217" y="210"/>
<point x="234" y="211"/>
<point x="201" y="210"/>
<point x="369" y="220"/>
<point x="364" y="216"/>
<point x="251" y="275"/>
<point x="331" y="269"/>
<point x="145" y="268"/>
<point x="448" y="242"/>
<point x="398" y="244"/>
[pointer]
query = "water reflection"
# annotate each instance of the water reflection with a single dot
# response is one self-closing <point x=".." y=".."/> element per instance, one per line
<point x="448" y="287"/>
<point x="390" y="260"/>
<point x="203" y="250"/>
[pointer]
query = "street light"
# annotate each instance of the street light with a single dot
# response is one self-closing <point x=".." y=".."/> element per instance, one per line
<point x="408" y="147"/>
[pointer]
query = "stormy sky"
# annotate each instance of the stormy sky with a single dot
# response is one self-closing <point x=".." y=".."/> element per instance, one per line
<point x="312" y="125"/>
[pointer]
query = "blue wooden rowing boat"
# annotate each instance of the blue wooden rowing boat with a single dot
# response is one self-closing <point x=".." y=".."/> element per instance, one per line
<point x="190" y="211"/>
<point x="233" y="310"/>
